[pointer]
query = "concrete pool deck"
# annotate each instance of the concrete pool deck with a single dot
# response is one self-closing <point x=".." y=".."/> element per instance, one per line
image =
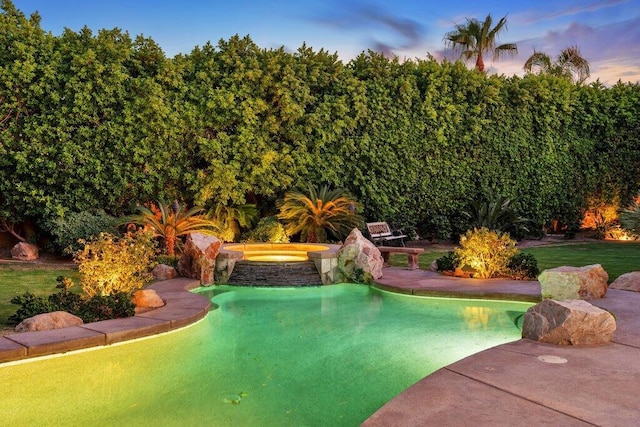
<point x="511" y="384"/>
<point x="519" y="383"/>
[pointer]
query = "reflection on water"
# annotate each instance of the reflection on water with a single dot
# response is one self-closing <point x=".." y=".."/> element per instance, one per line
<point x="477" y="317"/>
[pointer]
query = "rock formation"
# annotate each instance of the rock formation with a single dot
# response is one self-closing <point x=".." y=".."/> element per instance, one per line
<point x="627" y="282"/>
<point x="198" y="260"/>
<point x="24" y="252"/>
<point x="585" y="283"/>
<point x="47" y="321"/>
<point x="359" y="260"/>
<point x="568" y="322"/>
<point x="164" y="272"/>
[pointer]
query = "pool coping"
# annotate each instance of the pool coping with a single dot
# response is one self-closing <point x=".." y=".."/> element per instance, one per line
<point x="181" y="309"/>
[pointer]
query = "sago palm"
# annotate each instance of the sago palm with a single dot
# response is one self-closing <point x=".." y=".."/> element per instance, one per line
<point x="569" y="64"/>
<point x="319" y="214"/>
<point x="496" y="214"/>
<point x="474" y="38"/>
<point x="630" y="217"/>
<point x="169" y="223"/>
<point x="230" y="219"/>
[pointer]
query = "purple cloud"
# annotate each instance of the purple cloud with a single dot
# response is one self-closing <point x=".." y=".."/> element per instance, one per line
<point x="533" y="17"/>
<point x="403" y="33"/>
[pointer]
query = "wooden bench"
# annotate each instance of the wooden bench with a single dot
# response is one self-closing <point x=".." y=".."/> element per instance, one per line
<point x="412" y="255"/>
<point x="381" y="233"/>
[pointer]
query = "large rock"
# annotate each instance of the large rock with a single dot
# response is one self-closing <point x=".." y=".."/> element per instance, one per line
<point x="585" y="283"/>
<point x="198" y="259"/>
<point x="147" y="299"/>
<point x="358" y="259"/>
<point x="48" y="321"/>
<point x="627" y="282"/>
<point x="164" y="272"/>
<point x="24" y="252"/>
<point x="568" y="322"/>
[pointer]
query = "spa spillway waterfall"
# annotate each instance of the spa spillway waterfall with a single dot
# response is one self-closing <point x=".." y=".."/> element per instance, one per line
<point x="276" y="264"/>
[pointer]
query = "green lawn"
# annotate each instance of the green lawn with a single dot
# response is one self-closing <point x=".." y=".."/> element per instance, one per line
<point x="615" y="257"/>
<point x="20" y="278"/>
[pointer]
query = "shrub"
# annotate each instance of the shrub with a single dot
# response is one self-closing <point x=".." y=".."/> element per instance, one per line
<point x="109" y="265"/>
<point x="31" y="305"/>
<point x="448" y="262"/>
<point x="104" y="307"/>
<point x="65" y="300"/>
<point x="487" y="252"/>
<point x="66" y="231"/>
<point x="168" y="260"/>
<point x="523" y="266"/>
<point x="91" y="310"/>
<point x="268" y="229"/>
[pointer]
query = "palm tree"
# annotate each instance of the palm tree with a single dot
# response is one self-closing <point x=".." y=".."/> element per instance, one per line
<point x="496" y="213"/>
<point x="319" y="213"/>
<point x="169" y="223"/>
<point x="630" y="217"/>
<point x="475" y="38"/>
<point x="230" y="219"/>
<point x="568" y="64"/>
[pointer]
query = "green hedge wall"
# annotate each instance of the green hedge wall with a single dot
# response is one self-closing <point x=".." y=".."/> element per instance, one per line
<point x="102" y="121"/>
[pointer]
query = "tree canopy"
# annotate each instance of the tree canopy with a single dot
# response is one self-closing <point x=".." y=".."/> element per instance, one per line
<point x="106" y="121"/>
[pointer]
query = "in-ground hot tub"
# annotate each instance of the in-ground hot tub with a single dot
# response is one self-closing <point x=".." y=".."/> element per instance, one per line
<point x="276" y="264"/>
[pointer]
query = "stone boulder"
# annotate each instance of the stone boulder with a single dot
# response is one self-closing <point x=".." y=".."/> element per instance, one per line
<point x="585" y="283"/>
<point x="358" y="259"/>
<point x="48" y="321"/>
<point x="164" y="272"/>
<point x="627" y="282"/>
<point x="568" y="322"/>
<point x="434" y="266"/>
<point x="146" y="299"/>
<point x="24" y="252"/>
<point x="198" y="259"/>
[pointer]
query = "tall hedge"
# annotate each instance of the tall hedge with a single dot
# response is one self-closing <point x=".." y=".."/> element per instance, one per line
<point x="103" y="120"/>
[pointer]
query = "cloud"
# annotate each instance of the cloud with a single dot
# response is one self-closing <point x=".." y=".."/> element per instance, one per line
<point x="534" y="17"/>
<point x="400" y="34"/>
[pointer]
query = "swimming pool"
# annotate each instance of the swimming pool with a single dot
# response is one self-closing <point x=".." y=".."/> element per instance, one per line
<point x="330" y="355"/>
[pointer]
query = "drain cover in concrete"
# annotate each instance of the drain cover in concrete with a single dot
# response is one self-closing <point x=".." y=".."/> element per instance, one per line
<point x="552" y="359"/>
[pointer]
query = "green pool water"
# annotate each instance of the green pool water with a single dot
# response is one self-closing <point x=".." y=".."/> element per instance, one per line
<point x="265" y="357"/>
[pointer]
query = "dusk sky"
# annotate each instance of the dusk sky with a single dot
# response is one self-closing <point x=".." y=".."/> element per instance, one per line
<point x="606" y="31"/>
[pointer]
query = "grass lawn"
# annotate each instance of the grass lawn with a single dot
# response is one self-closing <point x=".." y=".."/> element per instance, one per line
<point x="615" y="257"/>
<point x="20" y="278"/>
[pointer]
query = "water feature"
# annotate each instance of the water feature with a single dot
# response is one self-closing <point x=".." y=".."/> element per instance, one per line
<point x="283" y="264"/>
<point x="329" y="355"/>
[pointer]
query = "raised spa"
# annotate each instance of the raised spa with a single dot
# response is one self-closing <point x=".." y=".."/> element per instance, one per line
<point x="276" y="264"/>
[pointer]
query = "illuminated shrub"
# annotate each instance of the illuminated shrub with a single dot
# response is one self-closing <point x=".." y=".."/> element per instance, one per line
<point x="109" y="264"/>
<point x="268" y="229"/>
<point x="487" y="252"/>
